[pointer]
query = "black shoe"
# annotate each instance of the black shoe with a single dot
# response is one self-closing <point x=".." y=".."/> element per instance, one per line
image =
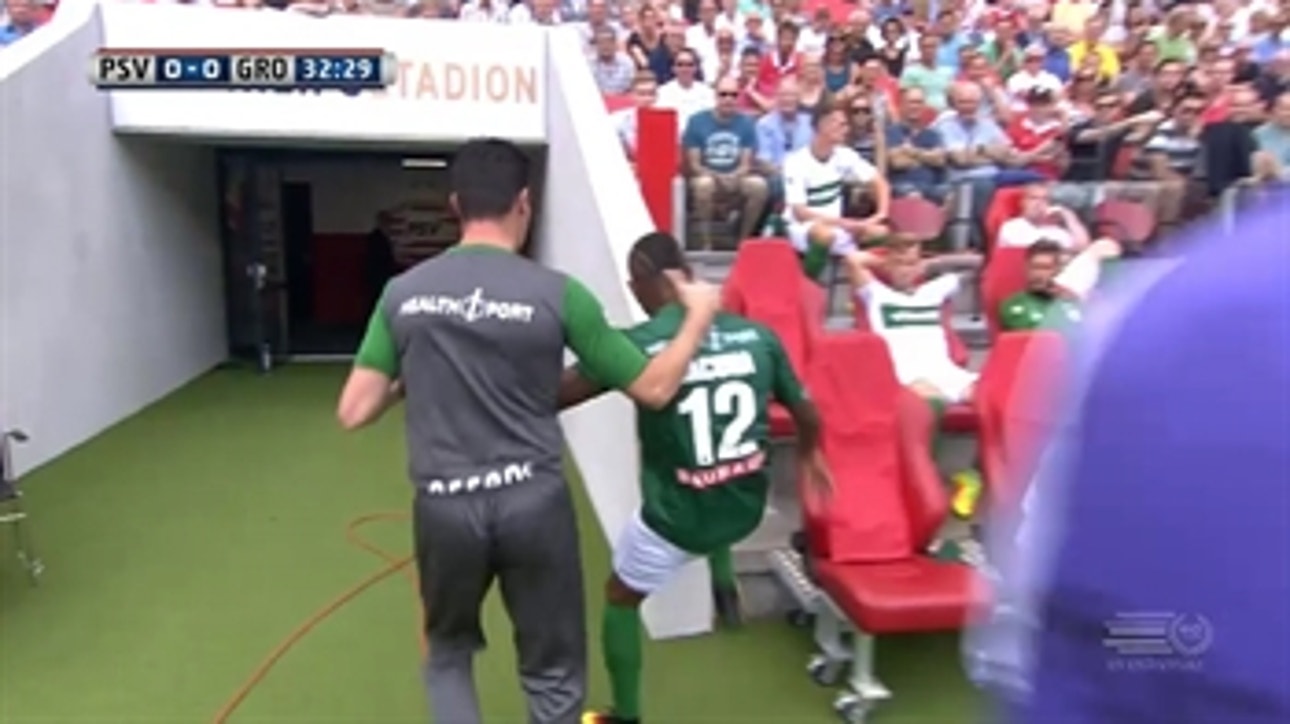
<point x="596" y="717"/>
<point x="728" y="606"/>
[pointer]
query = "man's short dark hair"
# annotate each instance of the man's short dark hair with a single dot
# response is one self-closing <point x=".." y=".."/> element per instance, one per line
<point x="1044" y="247"/>
<point x="487" y="176"/>
<point x="824" y="110"/>
<point x="655" y="253"/>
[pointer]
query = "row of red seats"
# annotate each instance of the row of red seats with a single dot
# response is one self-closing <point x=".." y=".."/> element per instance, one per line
<point x="1004" y="275"/>
<point x="867" y="543"/>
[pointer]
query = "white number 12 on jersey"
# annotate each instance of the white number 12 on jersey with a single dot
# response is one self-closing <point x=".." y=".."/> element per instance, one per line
<point x="732" y="398"/>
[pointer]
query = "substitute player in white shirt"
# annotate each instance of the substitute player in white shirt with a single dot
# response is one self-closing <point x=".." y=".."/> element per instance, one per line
<point x="904" y="308"/>
<point x="815" y="181"/>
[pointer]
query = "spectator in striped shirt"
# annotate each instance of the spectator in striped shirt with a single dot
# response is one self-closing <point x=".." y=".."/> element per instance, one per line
<point x="1171" y="156"/>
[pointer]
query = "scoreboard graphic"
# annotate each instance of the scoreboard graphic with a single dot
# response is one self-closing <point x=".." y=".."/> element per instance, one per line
<point x="243" y="69"/>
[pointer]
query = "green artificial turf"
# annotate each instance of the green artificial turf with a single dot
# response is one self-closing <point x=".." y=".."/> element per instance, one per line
<point x="185" y="543"/>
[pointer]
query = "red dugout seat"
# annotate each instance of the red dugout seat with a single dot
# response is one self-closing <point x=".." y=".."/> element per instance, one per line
<point x="1017" y="404"/>
<point x="1004" y="275"/>
<point x="766" y="284"/>
<point x="866" y="542"/>
<point x="1004" y="205"/>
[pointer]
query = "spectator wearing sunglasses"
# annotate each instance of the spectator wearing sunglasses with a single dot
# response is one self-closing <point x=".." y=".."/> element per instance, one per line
<point x="684" y="93"/>
<point x="864" y="137"/>
<point x="1171" y="157"/>
<point x="719" y="146"/>
<point x="1095" y="142"/>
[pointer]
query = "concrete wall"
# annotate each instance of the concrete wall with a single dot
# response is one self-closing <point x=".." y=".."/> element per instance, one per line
<point x="111" y="292"/>
<point x="593" y="214"/>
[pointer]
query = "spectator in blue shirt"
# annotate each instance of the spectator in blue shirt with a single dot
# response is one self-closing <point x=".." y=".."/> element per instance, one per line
<point x="1166" y="596"/>
<point x="783" y="130"/>
<point x="1057" y="59"/>
<point x="979" y="155"/>
<point x="915" y="152"/>
<point x="1265" y="48"/>
<point x="663" y="56"/>
<point x="719" y="148"/>
<point x="780" y="132"/>
<point x="23" y="18"/>
<point x="953" y="39"/>
<point x="978" y="148"/>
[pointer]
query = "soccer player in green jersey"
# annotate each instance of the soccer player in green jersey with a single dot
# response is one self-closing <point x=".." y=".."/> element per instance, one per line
<point x="705" y="474"/>
<point x="1043" y="301"/>
<point x="1054" y="286"/>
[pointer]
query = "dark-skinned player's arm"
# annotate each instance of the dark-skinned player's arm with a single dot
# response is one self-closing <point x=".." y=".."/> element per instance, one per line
<point x="373" y="385"/>
<point x="788" y="391"/>
<point x="576" y="389"/>
<point x="611" y="358"/>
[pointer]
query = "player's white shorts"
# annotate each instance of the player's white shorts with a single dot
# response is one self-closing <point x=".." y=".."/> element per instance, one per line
<point x="799" y="236"/>
<point x="954" y="382"/>
<point x="644" y="560"/>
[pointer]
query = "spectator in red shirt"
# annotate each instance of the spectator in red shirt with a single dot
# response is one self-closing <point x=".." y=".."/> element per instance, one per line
<point x="781" y="62"/>
<point x="1040" y="134"/>
<point x="1219" y="79"/>
<point x="750" y="100"/>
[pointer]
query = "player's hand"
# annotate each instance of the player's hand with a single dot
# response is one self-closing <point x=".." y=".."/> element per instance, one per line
<point x="819" y="480"/>
<point x="698" y="297"/>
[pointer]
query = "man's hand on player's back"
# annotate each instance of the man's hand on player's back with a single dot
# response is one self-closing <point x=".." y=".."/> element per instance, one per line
<point x="696" y="295"/>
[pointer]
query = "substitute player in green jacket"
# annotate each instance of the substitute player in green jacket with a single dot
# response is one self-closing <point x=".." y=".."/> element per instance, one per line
<point x="1043" y="302"/>
<point x="705" y="473"/>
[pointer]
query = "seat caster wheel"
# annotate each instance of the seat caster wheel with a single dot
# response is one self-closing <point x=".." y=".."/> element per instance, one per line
<point x="825" y="672"/>
<point x="851" y="709"/>
<point x="799" y="618"/>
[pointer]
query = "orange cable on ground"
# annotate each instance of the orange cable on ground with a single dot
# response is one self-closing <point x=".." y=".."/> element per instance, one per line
<point x="394" y="564"/>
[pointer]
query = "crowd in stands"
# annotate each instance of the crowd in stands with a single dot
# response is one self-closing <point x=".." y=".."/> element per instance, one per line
<point x="962" y="97"/>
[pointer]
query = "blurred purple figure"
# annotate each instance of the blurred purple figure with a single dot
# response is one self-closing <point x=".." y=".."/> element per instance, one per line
<point x="1158" y="588"/>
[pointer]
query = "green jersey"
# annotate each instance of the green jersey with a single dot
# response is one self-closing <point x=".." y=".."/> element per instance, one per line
<point x="1023" y="312"/>
<point x="705" y="470"/>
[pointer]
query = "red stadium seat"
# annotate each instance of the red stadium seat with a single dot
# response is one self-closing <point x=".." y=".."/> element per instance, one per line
<point x="1004" y="275"/>
<point x="766" y="284"/>
<point x="866" y="541"/>
<point x="1128" y="222"/>
<point x="1017" y="405"/>
<point x="916" y="216"/>
<point x="1004" y="205"/>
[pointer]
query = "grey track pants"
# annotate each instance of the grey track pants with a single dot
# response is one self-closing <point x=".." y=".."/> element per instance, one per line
<point x="526" y="537"/>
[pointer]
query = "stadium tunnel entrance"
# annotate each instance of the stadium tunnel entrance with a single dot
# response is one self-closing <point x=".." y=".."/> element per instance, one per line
<point x="310" y="236"/>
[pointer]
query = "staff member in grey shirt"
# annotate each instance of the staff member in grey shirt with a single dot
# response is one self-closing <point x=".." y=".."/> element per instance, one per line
<point x="474" y="339"/>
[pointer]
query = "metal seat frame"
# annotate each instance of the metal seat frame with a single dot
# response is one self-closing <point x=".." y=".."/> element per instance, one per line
<point x="12" y="511"/>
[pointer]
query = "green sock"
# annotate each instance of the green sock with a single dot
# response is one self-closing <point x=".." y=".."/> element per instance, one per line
<point x="938" y="412"/>
<point x="722" y="564"/>
<point x="815" y="260"/>
<point x="620" y="639"/>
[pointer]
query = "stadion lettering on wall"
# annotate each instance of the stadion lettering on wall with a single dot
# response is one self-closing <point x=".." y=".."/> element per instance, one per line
<point x="454" y="81"/>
